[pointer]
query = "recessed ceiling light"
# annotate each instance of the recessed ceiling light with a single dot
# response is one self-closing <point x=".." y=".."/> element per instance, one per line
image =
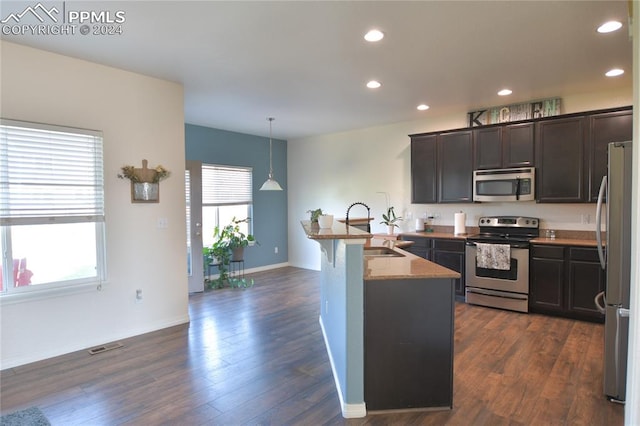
<point x="610" y="26"/>
<point x="373" y="84"/>
<point x="374" y="35"/>
<point x="614" y="72"/>
<point x="423" y="107"/>
<point x="505" y="92"/>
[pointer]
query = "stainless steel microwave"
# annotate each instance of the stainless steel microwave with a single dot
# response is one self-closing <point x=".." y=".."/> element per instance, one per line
<point x="504" y="184"/>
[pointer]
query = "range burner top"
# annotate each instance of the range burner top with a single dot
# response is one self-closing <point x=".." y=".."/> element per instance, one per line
<point x="506" y="230"/>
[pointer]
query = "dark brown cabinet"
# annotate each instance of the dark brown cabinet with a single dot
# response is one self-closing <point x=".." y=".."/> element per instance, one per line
<point x="408" y="343"/>
<point x="424" y="169"/>
<point x="603" y="129"/>
<point x="585" y="280"/>
<point x="505" y="146"/>
<point x="421" y="246"/>
<point x="561" y="172"/>
<point x="569" y="153"/>
<point x="546" y="279"/>
<point x="449" y="253"/>
<point x="442" y="168"/>
<point x="455" y="167"/>
<point x="564" y="281"/>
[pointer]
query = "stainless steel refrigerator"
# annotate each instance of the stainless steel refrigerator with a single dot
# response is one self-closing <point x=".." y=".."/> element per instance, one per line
<point x="615" y="257"/>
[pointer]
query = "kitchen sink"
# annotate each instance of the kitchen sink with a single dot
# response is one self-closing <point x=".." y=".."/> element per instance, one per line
<point x="381" y="252"/>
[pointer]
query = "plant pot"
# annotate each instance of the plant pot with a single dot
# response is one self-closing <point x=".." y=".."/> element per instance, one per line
<point x="145" y="192"/>
<point x="237" y="254"/>
<point x="390" y="229"/>
<point x="325" y="221"/>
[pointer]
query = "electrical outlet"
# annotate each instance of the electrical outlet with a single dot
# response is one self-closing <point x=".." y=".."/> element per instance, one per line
<point x="139" y="295"/>
<point x="163" y="223"/>
<point x="275" y="249"/>
<point x="585" y="219"/>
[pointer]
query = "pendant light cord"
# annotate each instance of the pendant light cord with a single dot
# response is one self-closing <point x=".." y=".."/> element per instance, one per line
<point x="270" y="149"/>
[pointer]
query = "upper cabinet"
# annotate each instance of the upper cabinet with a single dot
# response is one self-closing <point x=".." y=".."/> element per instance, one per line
<point x="561" y="171"/>
<point x="569" y="153"/>
<point x="442" y="168"/>
<point x="504" y="146"/>
<point x="455" y="167"/>
<point x="603" y="129"/>
<point x="424" y="189"/>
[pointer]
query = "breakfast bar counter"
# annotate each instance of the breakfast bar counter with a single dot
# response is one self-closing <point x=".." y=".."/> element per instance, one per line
<point x="392" y="306"/>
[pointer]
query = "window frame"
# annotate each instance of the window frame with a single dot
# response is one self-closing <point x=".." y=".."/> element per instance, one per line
<point x="9" y="292"/>
<point x="224" y="199"/>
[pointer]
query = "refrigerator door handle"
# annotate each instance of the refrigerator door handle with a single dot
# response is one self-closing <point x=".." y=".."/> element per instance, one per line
<point x="600" y="306"/>
<point x="603" y="186"/>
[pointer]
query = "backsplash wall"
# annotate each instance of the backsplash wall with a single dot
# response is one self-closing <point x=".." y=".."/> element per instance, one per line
<point x="579" y="217"/>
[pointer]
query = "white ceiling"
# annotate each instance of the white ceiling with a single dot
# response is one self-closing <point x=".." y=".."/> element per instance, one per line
<point x="306" y="63"/>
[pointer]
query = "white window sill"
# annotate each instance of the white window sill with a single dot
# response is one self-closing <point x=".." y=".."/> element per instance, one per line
<point x="34" y="294"/>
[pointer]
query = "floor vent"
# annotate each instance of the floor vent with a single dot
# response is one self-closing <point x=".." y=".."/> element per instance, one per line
<point x="104" y="348"/>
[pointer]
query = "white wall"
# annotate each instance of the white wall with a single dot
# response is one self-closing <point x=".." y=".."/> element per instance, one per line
<point x="141" y="118"/>
<point x="333" y="171"/>
<point x="632" y="406"/>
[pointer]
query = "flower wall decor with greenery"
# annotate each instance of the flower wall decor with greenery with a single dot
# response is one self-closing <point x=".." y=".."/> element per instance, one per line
<point x="144" y="174"/>
<point x="145" y="182"/>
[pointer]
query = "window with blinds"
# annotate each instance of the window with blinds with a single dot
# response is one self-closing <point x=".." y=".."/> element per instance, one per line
<point x="226" y="185"/>
<point x="51" y="206"/>
<point x="227" y="193"/>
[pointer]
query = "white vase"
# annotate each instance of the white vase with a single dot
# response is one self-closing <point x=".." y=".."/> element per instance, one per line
<point x="390" y="229"/>
<point x="325" y="220"/>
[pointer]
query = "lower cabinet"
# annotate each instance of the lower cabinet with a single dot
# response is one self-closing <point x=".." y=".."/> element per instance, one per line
<point x="564" y="281"/>
<point x="450" y="254"/>
<point x="408" y="344"/>
<point x="445" y="252"/>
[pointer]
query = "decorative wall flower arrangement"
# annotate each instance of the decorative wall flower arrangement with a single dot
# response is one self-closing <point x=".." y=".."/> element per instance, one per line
<point x="145" y="187"/>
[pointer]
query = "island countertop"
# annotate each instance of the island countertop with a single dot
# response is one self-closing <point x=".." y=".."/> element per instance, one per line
<point x="338" y="231"/>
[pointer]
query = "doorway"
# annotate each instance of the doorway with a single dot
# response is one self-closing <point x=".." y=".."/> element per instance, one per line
<point x="195" y="260"/>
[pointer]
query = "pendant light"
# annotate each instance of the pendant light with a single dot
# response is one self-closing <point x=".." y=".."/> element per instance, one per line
<point x="270" y="184"/>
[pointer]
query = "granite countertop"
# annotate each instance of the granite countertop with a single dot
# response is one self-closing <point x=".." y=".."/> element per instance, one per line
<point x="563" y="238"/>
<point x="436" y="234"/>
<point x="408" y="267"/>
<point x="565" y="242"/>
<point x="338" y="231"/>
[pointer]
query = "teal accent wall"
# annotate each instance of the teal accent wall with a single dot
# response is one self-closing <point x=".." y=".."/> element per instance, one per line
<point x="214" y="146"/>
<point x="342" y="316"/>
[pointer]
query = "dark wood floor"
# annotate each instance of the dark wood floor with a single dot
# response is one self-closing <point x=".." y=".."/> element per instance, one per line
<point x="257" y="356"/>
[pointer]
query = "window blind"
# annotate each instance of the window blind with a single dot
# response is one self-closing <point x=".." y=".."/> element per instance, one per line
<point x="226" y="185"/>
<point x="50" y="174"/>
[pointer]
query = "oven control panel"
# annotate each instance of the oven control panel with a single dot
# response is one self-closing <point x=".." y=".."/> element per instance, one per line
<point x="509" y="221"/>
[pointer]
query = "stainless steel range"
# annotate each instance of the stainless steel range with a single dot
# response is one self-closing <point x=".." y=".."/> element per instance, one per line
<point x="497" y="262"/>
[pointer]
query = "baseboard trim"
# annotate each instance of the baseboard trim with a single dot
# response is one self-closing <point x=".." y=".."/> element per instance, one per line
<point x="349" y="411"/>
<point x="86" y="344"/>
<point x="256" y="269"/>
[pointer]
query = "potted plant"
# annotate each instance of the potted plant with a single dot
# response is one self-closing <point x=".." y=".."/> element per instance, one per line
<point x="229" y="243"/>
<point x="314" y="215"/>
<point x="390" y="220"/>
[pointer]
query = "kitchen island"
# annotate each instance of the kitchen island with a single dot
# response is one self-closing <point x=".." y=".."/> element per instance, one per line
<point x="387" y="321"/>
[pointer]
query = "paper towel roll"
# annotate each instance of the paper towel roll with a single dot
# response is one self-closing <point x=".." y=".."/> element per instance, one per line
<point x="459" y="223"/>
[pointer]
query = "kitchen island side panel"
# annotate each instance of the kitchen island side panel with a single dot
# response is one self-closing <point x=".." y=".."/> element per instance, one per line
<point x="341" y="317"/>
<point x="409" y="344"/>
